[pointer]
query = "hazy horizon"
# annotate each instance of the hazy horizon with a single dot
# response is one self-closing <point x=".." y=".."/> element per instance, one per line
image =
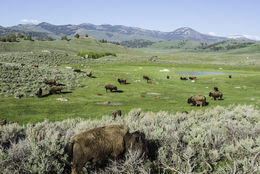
<point x="220" y="18"/>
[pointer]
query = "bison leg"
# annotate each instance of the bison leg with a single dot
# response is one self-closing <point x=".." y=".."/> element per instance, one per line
<point x="79" y="159"/>
<point x="111" y="90"/>
<point x="214" y="98"/>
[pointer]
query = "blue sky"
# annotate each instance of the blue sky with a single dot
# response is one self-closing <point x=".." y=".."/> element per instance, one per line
<point x="220" y="17"/>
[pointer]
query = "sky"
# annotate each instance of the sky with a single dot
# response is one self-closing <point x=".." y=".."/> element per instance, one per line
<point x="215" y="17"/>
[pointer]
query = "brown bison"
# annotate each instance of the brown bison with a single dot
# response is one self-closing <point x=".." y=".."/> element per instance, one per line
<point x="116" y="113"/>
<point x="197" y="100"/>
<point x="89" y="74"/>
<point x="183" y="78"/>
<point x="168" y="77"/>
<point x="55" y="89"/>
<point x="77" y="70"/>
<point x="50" y="82"/>
<point x="3" y="122"/>
<point x="146" y="77"/>
<point x="111" y="87"/>
<point x="121" y="80"/>
<point x="100" y="144"/>
<point x="35" y="65"/>
<point x="230" y="76"/>
<point x="215" y="88"/>
<point x="216" y="94"/>
<point x="39" y="92"/>
<point x="193" y="78"/>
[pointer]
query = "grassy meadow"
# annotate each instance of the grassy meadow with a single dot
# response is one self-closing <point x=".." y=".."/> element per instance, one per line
<point x="87" y="99"/>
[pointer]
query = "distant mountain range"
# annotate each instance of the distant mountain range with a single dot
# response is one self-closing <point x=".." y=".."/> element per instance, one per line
<point x="111" y="32"/>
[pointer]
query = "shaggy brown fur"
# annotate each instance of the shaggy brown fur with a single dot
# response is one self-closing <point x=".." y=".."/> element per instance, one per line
<point x="183" y="78"/>
<point x="197" y="100"/>
<point x="146" y="77"/>
<point x="35" y="65"/>
<point x="116" y="113"/>
<point x="55" y="89"/>
<point x="111" y="87"/>
<point x="77" y="70"/>
<point x="216" y="95"/>
<point x="39" y="92"/>
<point x="3" y="122"/>
<point x="89" y="74"/>
<point x="50" y="82"/>
<point x="121" y="80"/>
<point x="193" y="78"/>
<point x="99" y="144"/>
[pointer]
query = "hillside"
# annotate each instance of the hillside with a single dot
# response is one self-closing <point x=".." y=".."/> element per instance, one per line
<point x="113" y="32"/>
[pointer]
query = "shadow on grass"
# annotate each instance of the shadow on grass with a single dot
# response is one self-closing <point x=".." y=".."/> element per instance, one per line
<point x="118" y="91"/>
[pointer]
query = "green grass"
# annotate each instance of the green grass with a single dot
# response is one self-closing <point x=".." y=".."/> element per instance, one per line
<point x="96" y="55"/>
<point x="173" y="92"/>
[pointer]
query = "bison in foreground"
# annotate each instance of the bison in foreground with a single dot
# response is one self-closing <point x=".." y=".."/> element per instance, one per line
<point x="111" y="87"/>
<point x="116" y="113"/>
<point x="121" y="80"/>
<point x="216" y="95"/>
<point x="99" y="144"/>
<point x="197" y="100"/>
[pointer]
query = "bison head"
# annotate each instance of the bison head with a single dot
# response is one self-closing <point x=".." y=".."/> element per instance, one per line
<point x="189" y="100"/>
<point x="136" y="141"/>
<point x="210" y="94"/>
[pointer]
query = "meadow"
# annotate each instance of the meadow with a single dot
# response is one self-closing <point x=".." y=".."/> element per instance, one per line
<point x="88" y="98"/>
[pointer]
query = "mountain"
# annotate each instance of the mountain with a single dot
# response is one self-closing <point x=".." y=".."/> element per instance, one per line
<point x="110" y="32"/>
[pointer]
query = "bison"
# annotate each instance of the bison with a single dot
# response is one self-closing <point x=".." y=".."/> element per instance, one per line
<point x="3" y="122"/>
<point x="197" y="100"/>
<point x="121" y="80"/>
<point x="50" y="82"/>
<point x="77" y="70"/>
<point x="110" y="87"/>
<point x="55" y="89"/>
<point x="192" y="77"/>
<point x="116" y="113"/>
<point x="89" y="74"/>
<point x="146" y="77"/>
<point x="100" y="144"/>
<point x="216" y="94"/>
<point x="230" y="76"/>
<point x="183" y="78"/>
<point x="168" y="77"/>
<point x="35" y="65"/>
<point x="39" y="92"/>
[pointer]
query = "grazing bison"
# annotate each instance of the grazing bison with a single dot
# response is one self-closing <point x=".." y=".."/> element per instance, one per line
<point x="116" y="113"/>
<point x="146" y="77"/>
<point x="111" y="87"/>
<point x="121" y="80"/>
<point x="230" y="76"/>
<point x="39" y="92"/>
<point x="50" y="82"/>
<point x="183" y="78"/>
<point x="89" y="74"/>
<point x="193" y="78"/>
<point x="168" y="77"/>
<point x="100" y="144"/>
<point x="216" y="94"/>
<point x="77" y="70"/>
<point x="55" y="89"/>
<point x="3" y="122"/>
<point x="215" y="88"/>
<point x="197" y="100"/>
<point x="35" y="65"/>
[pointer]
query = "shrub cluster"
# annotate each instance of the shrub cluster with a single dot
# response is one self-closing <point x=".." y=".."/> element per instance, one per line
<point x="96" y="55"/>
<point x="218" y="140"/>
